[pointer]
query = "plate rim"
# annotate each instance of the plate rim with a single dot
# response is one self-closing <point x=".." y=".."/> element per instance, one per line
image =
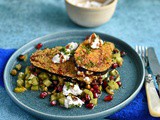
<point x="33" y="111"/>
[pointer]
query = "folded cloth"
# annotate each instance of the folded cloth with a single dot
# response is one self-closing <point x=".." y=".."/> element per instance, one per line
<point x="4" y="56"/>
<point x="137" y="109"/>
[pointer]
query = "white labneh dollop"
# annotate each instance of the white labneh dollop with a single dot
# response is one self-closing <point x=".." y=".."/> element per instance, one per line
<point x="96" y="44"/>
<point x="69" y="102"/>
<point x="72" y="45"/>
<point x="75" y="90"/>
<point x="62" y="57"/>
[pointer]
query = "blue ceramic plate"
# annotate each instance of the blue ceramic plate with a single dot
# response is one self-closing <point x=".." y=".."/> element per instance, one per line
<point x="132" y="74"/>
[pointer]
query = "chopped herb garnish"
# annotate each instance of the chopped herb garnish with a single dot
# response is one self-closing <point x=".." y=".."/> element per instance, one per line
<point x="79" y="58"/>
<point x="87" y="47"/>
<point x="63" y="49"/>
<point x="90" y="64"/>
<point x="68" y="85"/>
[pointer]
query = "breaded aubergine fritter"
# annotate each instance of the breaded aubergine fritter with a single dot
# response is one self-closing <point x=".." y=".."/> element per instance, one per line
<point x="43" y="59"/>
<point x="96" y="60"/>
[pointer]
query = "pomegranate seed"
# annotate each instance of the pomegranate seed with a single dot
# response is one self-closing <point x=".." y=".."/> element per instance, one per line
<point x="95" y="95"/>
<point x="43" y="95"/>
<point x="59" y="88"/>
<point x="104" y="84"/>
<point x="87" y="97"/>
<point x="98" y="91"/>
<point x="108" y="98"/>
<point x="94" y="82"/>
<point x="111" y="77"/>
<point x="119" y="83"/>
<point x="83" y="99"/>
<point x="114" y="65"/>
<point x="35" y="74"/>
<point x="90" y="105"/>
<point x="39" y="45"/>
<point x="115" y="51"/>
<point x="100" y="81"/>
<point x="92" y="90"/>
<point x="53" y="103"/>
<point x="55" y="82"/>
<point x="96" y="87"/>
<point x="32" y="68"/>
<point x="123" y="53"/>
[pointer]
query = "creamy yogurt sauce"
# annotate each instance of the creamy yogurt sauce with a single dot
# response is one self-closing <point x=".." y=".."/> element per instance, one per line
<point x="95" y="41"/>
<point x="75" y="90"/>
<point x="69" y="102"/>
<point x="89" y="3"/>
<point x="62" y="56"/>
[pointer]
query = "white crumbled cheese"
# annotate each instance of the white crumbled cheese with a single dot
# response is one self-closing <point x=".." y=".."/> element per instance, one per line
<point x="31" y="76"/>
<point x="56" y="59"/>
<point x="87" y="79"/>
<point x="72" y="45"/>
<point x="65" y="57"/>
<point x="95" y="42"/>
<point x="89" y="3"/>
<point x="75" y="90"/>
<point x="62" y="57"/>
<point x="69" y="102"/>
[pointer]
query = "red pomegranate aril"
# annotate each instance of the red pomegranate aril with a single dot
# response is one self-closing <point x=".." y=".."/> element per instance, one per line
<point x="104" y="84"/>
<point x="39" y="45"/>
<point x="92" y="90"/>
<point x="114" y="65"/>
<point x="53" y="103"/>
<point x="95" y="95"/>
<point x="115" y="51"/>
<point x="90" y="105"/>
<point x="55" y="82"/>
<point x="111" y="77"/>
<point x="119" y="83"/>
<point x="94" y="82"/>
<point x="87" y="97"/>
<point x="108" y="98"/>
<point x="35" y="74"/>
<point x="123" y="53"/>
<point x="97" y="91"/>
<point x="59" y="88"/>
<point x="96" y="87"/>
<point x="43" y="95"/>
<point x="83" y="99"/>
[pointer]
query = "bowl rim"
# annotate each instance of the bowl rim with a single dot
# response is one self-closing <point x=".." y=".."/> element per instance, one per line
<point x="46" y="115"/>
<point x="93" y="8"/>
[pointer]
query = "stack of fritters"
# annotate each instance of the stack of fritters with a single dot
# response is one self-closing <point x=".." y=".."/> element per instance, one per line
<point x="85" y="60"/>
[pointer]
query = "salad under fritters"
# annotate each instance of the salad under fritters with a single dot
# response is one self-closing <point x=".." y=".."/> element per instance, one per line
<point x="74" y="74"/>
<point x="43" y="59"/>
<point x="97" y="59"/>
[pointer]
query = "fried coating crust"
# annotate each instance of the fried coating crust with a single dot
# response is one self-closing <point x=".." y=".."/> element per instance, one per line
<point x="43" y="59"/>
<point x="96" y="60"/>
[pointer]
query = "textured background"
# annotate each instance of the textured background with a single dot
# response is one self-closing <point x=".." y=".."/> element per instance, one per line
<point x="135" y="21"/>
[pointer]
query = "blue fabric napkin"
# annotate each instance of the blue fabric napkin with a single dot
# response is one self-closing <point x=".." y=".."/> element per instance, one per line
<point x="137" y="109"/>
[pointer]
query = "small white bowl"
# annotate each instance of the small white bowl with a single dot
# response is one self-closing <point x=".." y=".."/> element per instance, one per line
<point x="92" y="16"/>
